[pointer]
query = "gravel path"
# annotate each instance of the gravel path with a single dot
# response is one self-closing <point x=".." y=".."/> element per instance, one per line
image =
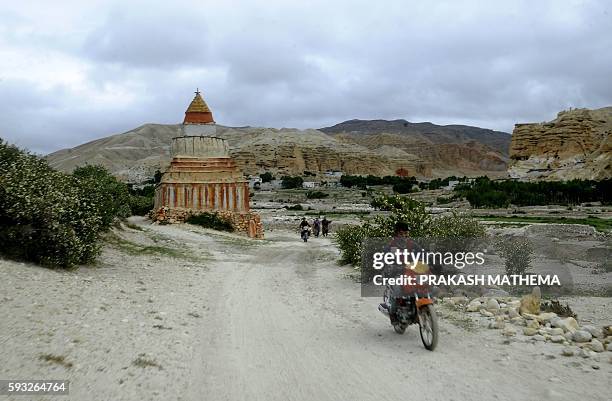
<point x="183" y="313"/>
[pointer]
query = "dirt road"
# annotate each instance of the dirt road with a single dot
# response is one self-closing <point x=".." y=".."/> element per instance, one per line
<point x="236" y="319"/>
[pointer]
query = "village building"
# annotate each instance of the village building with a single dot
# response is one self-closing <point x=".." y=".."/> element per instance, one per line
<point x="202" y="177"/>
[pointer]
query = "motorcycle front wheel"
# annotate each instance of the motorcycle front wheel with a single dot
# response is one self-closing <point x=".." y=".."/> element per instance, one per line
<point x="428" y="326"/>
<point x="399" y="328"/>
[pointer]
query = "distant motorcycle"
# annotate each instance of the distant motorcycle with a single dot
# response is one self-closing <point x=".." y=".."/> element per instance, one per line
<point x="305" y="233"/>
<point x="413" y="305"/>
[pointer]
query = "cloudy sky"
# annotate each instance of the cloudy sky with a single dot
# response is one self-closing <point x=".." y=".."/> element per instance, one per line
<point x="71" y="72"/>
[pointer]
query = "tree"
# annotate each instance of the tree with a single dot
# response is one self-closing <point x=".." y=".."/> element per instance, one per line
<point x="266" y="177"/>
<point x="157" y="177"/>
<point x="289" y="182"/>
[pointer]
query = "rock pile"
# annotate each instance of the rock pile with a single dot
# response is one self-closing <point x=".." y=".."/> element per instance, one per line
<point x="522" y="317"/>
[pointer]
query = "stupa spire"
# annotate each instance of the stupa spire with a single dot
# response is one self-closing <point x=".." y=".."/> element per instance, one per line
<point x="198" y="111"/>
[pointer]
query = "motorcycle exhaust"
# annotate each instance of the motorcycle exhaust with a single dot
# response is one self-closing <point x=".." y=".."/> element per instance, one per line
<point x="383" y="310"/>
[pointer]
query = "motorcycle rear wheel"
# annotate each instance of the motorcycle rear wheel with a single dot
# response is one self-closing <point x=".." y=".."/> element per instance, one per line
<point x="428" y="327"/>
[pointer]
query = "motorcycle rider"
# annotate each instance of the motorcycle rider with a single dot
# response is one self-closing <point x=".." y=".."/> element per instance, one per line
<point x="304" y="225"/>
<point x="400" y="241"/>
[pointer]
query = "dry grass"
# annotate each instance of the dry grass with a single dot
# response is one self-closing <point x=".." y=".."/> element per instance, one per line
<point x="144" y="362"/>
<point x="56" y="359"/>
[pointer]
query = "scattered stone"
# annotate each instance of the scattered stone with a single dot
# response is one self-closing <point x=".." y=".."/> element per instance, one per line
<point x="582" y="336"/>
<point x="596" y="345"/>
<point x="530" y="331"/>
<point x="585" y="353"/>
<point x="474" y="306"/>
<point x="555" y="331"/>
<point x="492" y="304"/>
<point x="496" y="325"/>
<point x="568" y="335"/>
<point x="486" y="313"/>
<point x="569" y="324"/>
<point x="568" y="351"/>
<point x="545" y="317"/>
<point x="607" y="330"/>
<point x="539" y="337"/>
<point x="596" y="367"/>
<point x="457" y="300"/>
<point x="509" y="331"/>
<point x="558" y="339"/>
<point x="515" y="304"/>
<point x="519" y="321"/>
<point x="595" y="331"/>
<point x="531" y="303"/>
<point x="496" y="292"/>
<point x="533" y="324"/>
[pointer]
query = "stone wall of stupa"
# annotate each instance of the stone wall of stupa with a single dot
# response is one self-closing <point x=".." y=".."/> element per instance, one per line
<point x="202" y="177"/>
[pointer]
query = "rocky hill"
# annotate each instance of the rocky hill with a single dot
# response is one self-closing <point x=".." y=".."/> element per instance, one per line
<point x="449" y="149"/>
<point x="576" y="144"/>
<point x="136" y="154"/>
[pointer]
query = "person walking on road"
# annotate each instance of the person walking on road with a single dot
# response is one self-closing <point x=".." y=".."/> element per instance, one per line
<point x="325" y="226"/>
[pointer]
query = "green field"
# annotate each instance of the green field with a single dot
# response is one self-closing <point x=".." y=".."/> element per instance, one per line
<point x="599" y="224"/>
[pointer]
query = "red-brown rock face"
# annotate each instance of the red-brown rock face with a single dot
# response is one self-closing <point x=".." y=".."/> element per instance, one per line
<point x="577" y="144"/>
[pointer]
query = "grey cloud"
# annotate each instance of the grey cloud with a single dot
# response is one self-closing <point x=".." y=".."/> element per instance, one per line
<point x="467" y="62"/>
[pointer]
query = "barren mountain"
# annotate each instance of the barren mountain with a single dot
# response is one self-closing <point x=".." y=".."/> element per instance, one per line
<point x="576" y="144"/>
<point x="449" y="149"/>
<point x="136" y="154"/>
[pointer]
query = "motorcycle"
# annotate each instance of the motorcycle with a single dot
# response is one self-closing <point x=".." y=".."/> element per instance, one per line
<point x="305" y="233"/>
<point x="414" y="305"/>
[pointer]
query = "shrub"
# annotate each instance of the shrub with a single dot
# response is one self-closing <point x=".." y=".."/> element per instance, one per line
<point x="422" y="225"/>
<point x="292" y="182"/>
<point x="349" y="240"/>
<point x="404" y="188"/>
<point x="111" y="195"/>
<point x="294" y="207"/>
<point x="141" y="205"/>
<point x="211" y="220"/>
<point x="517" y="254"/>
<point x="46" y="216"/>
<point x="266" y="177"/>
<point x="316" y="195"/>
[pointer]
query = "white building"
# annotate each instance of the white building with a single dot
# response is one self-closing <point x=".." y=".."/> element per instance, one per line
<point x="310" y="184"/>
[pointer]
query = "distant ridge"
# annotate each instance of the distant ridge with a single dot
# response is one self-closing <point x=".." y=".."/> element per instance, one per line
<point x="376" y="147"/>
<point x="497" y="140"/>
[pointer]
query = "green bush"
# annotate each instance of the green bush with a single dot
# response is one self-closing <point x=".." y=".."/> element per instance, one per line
<point x="266" y="177"/>
<point x="292" y="182"/>
<point x="294" y="207"/>
<point x="404" y="188"/>
<point x="484" y="192"/>
<point x="517" y="254"/>
<point x="141" y="205"/>
<point x="111" y="195"/>
<point x="349" y="240"/>
<point x="46" y="216"/>
<point x="422" y="225"/>
<point x="211" y="220"/>
<point x="316" y="195"/>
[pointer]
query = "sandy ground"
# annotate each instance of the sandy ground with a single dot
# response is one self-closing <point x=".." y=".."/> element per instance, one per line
<point x="183" y="313"/>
